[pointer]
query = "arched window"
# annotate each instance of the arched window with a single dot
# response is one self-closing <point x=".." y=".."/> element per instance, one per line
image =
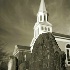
<point x="48" y="29"/>
<point x="40" y="17"/>
<point x="45" y="28"/>
<point x="67" y="51"/>
<point x="68" y="46"/>
<point x="44" y="18"/>
<point x="42" y="28"/>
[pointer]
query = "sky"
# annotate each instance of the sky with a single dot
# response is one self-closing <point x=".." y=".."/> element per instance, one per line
<point x="17" y="18"/>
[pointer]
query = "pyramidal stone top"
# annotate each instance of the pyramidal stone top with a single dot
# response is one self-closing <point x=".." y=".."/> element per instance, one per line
<point x="42" y="7"/>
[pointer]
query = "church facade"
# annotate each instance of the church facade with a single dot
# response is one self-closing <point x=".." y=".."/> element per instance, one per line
<point x="44" y="52"/>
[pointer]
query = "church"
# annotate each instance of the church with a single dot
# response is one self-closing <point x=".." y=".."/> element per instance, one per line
<point x="44" y="52"/>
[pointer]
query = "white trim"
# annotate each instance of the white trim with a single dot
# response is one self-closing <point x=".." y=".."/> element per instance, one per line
<point x="62" y="39"/>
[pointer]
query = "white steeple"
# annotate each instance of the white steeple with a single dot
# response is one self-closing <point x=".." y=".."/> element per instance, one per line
<point x="42" y="25"/>
<point x="42" y="6"/>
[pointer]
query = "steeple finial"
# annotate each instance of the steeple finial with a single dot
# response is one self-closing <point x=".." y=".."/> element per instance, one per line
<point x="42" y="7"/>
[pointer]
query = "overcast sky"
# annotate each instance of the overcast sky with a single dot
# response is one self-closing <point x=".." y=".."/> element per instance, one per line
<point x="17" y="18"/>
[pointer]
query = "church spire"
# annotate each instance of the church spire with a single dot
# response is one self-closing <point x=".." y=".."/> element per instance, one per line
<point x="42" y="7"/>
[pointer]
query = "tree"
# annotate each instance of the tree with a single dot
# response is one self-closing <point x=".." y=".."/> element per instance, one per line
<point x="3" y="66"/>
<point x="3" y="56"/>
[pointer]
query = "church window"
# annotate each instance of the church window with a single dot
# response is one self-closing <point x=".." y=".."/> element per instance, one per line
<point x="45" y="28"/>
<point x="68" y="46"/>
<point x="42" y="28"/>
<point x="44" y="18"/>
<point x="68" y="54"/>
<point x="48" y="29"/>
<point x="40" y="17"/>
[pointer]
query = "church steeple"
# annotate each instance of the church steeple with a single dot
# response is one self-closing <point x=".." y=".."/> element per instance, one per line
<point x="42" y="7"/>
<point x="42" y="25"/>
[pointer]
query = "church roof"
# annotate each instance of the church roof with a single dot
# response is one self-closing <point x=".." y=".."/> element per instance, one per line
<point x="42" y="7"/>
<point x="61" y="35"/>
<point x="49" y="24"/>
<point x="22" y="47"/>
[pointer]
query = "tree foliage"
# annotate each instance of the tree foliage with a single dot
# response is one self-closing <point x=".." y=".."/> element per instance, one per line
<point x="3" y="57"/>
